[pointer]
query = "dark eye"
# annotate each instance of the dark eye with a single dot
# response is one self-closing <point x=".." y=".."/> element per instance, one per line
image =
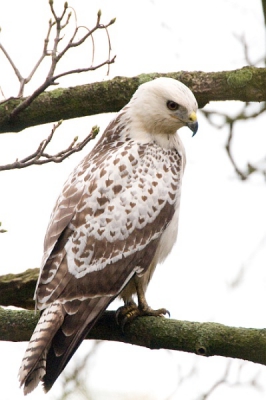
<point x="172" y="105"/>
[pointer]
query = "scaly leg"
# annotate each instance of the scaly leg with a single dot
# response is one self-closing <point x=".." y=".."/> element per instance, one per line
<point x="130" y="310"/>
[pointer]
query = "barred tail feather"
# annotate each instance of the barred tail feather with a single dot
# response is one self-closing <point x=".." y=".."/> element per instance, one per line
<point x="58" y="334"/>
<point x="33" y="366"/>
<point x="73" y="330"/>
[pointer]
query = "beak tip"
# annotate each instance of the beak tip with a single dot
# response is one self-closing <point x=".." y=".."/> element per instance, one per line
<point x="193" y="126"/>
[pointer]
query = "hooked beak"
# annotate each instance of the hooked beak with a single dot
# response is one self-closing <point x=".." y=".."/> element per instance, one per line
<point x="193" y="124"/>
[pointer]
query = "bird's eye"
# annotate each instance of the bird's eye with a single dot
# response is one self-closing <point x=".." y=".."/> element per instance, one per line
<point x="172" y="105"/>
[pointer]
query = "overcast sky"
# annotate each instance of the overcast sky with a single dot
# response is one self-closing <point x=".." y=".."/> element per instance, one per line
<point x="222" y="223"/>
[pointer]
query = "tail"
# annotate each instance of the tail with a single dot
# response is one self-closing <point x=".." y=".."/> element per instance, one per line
<point x="58" y="334"/>
<point x="33" y="365"/>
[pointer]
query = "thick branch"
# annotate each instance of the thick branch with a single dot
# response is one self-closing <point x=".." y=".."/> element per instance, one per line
<point x="246" y="84"/>
<point x="205" y="339"/>
<point x="18" y="289"/>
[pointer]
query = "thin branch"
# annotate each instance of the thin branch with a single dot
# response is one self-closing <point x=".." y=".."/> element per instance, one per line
<point x="72" y="44"/>
<point x="60" y="22"/>
<point x="242" y="40"/>
<point x="231" y="122"/>
<point x="18" y="74"/>
<point x="39" y="157"/>
<point x="44" y="53"/>
<point x="79" y="70"/>
<point x="219" y="382"/>
<point x="228" y="147"/>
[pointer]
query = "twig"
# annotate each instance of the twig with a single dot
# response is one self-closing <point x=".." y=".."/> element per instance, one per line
<point x="242" y="115"/>
<point x="39" y="157"/>
<point x="18" y="74"/>
<point x="228" y="147"/>
<point x="219" y="382"/>
<point x="60" y="23"/>
<point x="79" y="70"/>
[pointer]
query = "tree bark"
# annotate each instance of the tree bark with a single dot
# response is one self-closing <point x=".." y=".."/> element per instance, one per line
<point x="245" y="84"/>
<point x="18" y="289"/>
<point x="205" y="339"/>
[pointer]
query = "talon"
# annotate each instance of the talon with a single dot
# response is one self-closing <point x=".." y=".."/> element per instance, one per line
<point x="129" y="312"/>
<point x="161" y="312"/>
<point x="126" y="314"/>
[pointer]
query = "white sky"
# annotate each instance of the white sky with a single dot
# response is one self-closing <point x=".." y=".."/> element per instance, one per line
<point x="222" y="225"/>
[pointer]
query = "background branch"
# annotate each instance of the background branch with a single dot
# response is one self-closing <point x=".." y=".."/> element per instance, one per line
<point x="18" y="289"/>
<point x="245" y="84"/>
<point x="263" y="3"/>
<point x="1" y="229"/>
<point x="231" y="122"/>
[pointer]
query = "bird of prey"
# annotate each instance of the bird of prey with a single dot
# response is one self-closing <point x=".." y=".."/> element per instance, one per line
<point x="114" y="221"/>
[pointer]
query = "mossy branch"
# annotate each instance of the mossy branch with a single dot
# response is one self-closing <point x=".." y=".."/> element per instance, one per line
<point x="18" y="289"/>
<point x="205" y="339"/>
<point x="246" y="84"/>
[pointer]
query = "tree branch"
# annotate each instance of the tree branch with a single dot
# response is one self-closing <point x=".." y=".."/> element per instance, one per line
<point x="39" y="157"/>
<point x="205" y="339"/>
<point x="246" y="84"/>
<point x="18" y="289"/>
<point x="230" y="122"/>
<point x="60" y="23"/>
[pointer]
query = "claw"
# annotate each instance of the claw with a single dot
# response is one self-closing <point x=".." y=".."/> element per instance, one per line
<point x="126" y="314"/>
<point x="129" y="312"/>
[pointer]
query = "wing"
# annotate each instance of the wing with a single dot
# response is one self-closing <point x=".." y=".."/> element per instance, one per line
<point x="117" y="202"/>
<point x="105" y="228"/>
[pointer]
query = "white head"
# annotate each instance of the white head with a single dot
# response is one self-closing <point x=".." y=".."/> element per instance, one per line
<point x="164" y="105"/>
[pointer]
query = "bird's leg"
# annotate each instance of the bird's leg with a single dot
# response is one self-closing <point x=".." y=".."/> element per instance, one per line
<point x="131" y="310"/>
<point x="143" y="306"/>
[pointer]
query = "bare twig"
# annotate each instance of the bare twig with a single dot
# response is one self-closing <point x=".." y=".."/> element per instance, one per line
<point x="2" y="94"/>
<point x="79" y="70"/>
<point x="242" y="115"/>
<point x="59" y="23"/>
<point x="75" y="380"/>
<point x="243" y="42"/>
<point x="219" y="382"/>
<point x="11" y="62"/>
<point x="228" y="147"/>
<point x="225" y="380"/>
<point x="39" y="157"/>
<point x="247" y="264"/>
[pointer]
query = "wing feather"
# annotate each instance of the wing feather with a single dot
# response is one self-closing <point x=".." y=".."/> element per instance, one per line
<point x="121" y="206"/>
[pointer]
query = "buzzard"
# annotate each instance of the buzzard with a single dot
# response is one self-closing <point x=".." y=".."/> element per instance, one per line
<point x="114" y="221"/>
